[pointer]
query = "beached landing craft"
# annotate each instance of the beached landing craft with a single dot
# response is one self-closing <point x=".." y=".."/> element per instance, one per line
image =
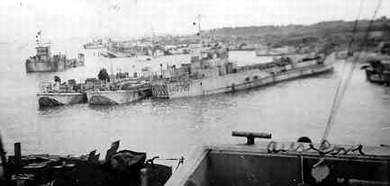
<point x="210" y="72"/>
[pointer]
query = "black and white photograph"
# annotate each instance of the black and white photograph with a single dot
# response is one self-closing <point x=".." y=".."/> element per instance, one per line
<point x="195" y="92"/>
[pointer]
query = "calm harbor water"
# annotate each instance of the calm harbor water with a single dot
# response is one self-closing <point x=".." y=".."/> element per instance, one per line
<point x="171" y="128"/>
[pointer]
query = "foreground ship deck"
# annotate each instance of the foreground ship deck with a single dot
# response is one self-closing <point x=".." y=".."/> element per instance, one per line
<point x="119" y="167"/>
<point x="285" y="164"/>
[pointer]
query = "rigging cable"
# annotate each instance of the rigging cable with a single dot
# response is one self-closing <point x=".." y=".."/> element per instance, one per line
<point x="365" y="38"/>
<point x="355" y="26"/>
<point x="343" y="82"/>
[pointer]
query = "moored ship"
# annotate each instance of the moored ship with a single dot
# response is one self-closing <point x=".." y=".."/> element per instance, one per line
<point x="378" y="71"/>
<point x="378" y="68"/>
<point x="43" y="61"/>
<point x="95" y="44"/>
<point x="125" y="91"/>
<point x="60" y="94"/>
<point x="210" y="72"/>
<point x="268" y="51"/>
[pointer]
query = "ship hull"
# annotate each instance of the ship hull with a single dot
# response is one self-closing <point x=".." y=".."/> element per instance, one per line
<point x="232" y="82"/>
<point x="93" y="46"/>
<point x="40" y="67"/>
<point x="112" y="54"/>
<point x="48" y="67"/>
<point x="52" y="65"/>
<point x="57" y="99"/>
<point x="116" y="97"/>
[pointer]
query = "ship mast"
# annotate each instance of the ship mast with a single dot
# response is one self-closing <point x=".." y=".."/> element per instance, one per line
<point x="153" y="34"/>
<point x="38" y="38"/>
<point x="197" y="23"/>
<point x="349" y="48"/>
<point x="198" y="19"/>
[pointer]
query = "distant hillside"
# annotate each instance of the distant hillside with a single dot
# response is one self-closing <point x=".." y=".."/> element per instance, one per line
<point x="337" y="32"/>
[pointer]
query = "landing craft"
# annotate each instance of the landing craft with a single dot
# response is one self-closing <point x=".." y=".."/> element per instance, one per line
<point x="211" y="72"/>
<point x="378" y="67"/>
<point x="126" y="91"/>
<point x="57" y="93"/>
<point x="43" y="61"/>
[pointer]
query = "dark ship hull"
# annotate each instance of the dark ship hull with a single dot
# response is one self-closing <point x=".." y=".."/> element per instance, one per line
<point x="61" y="98"/>
<point x="50" y="66"/>
<point x="378" y="71"/>
<point x="379" y="78"/>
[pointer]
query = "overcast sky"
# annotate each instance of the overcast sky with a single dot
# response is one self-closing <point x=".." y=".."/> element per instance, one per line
<point x="134" y="18"/>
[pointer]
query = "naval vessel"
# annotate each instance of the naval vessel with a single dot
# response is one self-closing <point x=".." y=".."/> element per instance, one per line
<point x="120" y="92"/>
<point x="43" y="61"/>
<point x="57" y="93"/>
<point x="211" y="72"/>
<point x="378" y="66"/>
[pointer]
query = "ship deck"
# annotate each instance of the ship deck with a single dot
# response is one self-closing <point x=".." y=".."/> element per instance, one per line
<point x="262" y="164"/>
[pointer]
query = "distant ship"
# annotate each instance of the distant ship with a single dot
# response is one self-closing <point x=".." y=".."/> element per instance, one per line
<point x="116" y="54"/>
<point x="378" y="71"/>
<point x="44" y="62"/>
<point x="210" y="72"/>
<point x="378" y="68"/>
<point x="267" y="51"/>
<point x="94" y="44"/>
